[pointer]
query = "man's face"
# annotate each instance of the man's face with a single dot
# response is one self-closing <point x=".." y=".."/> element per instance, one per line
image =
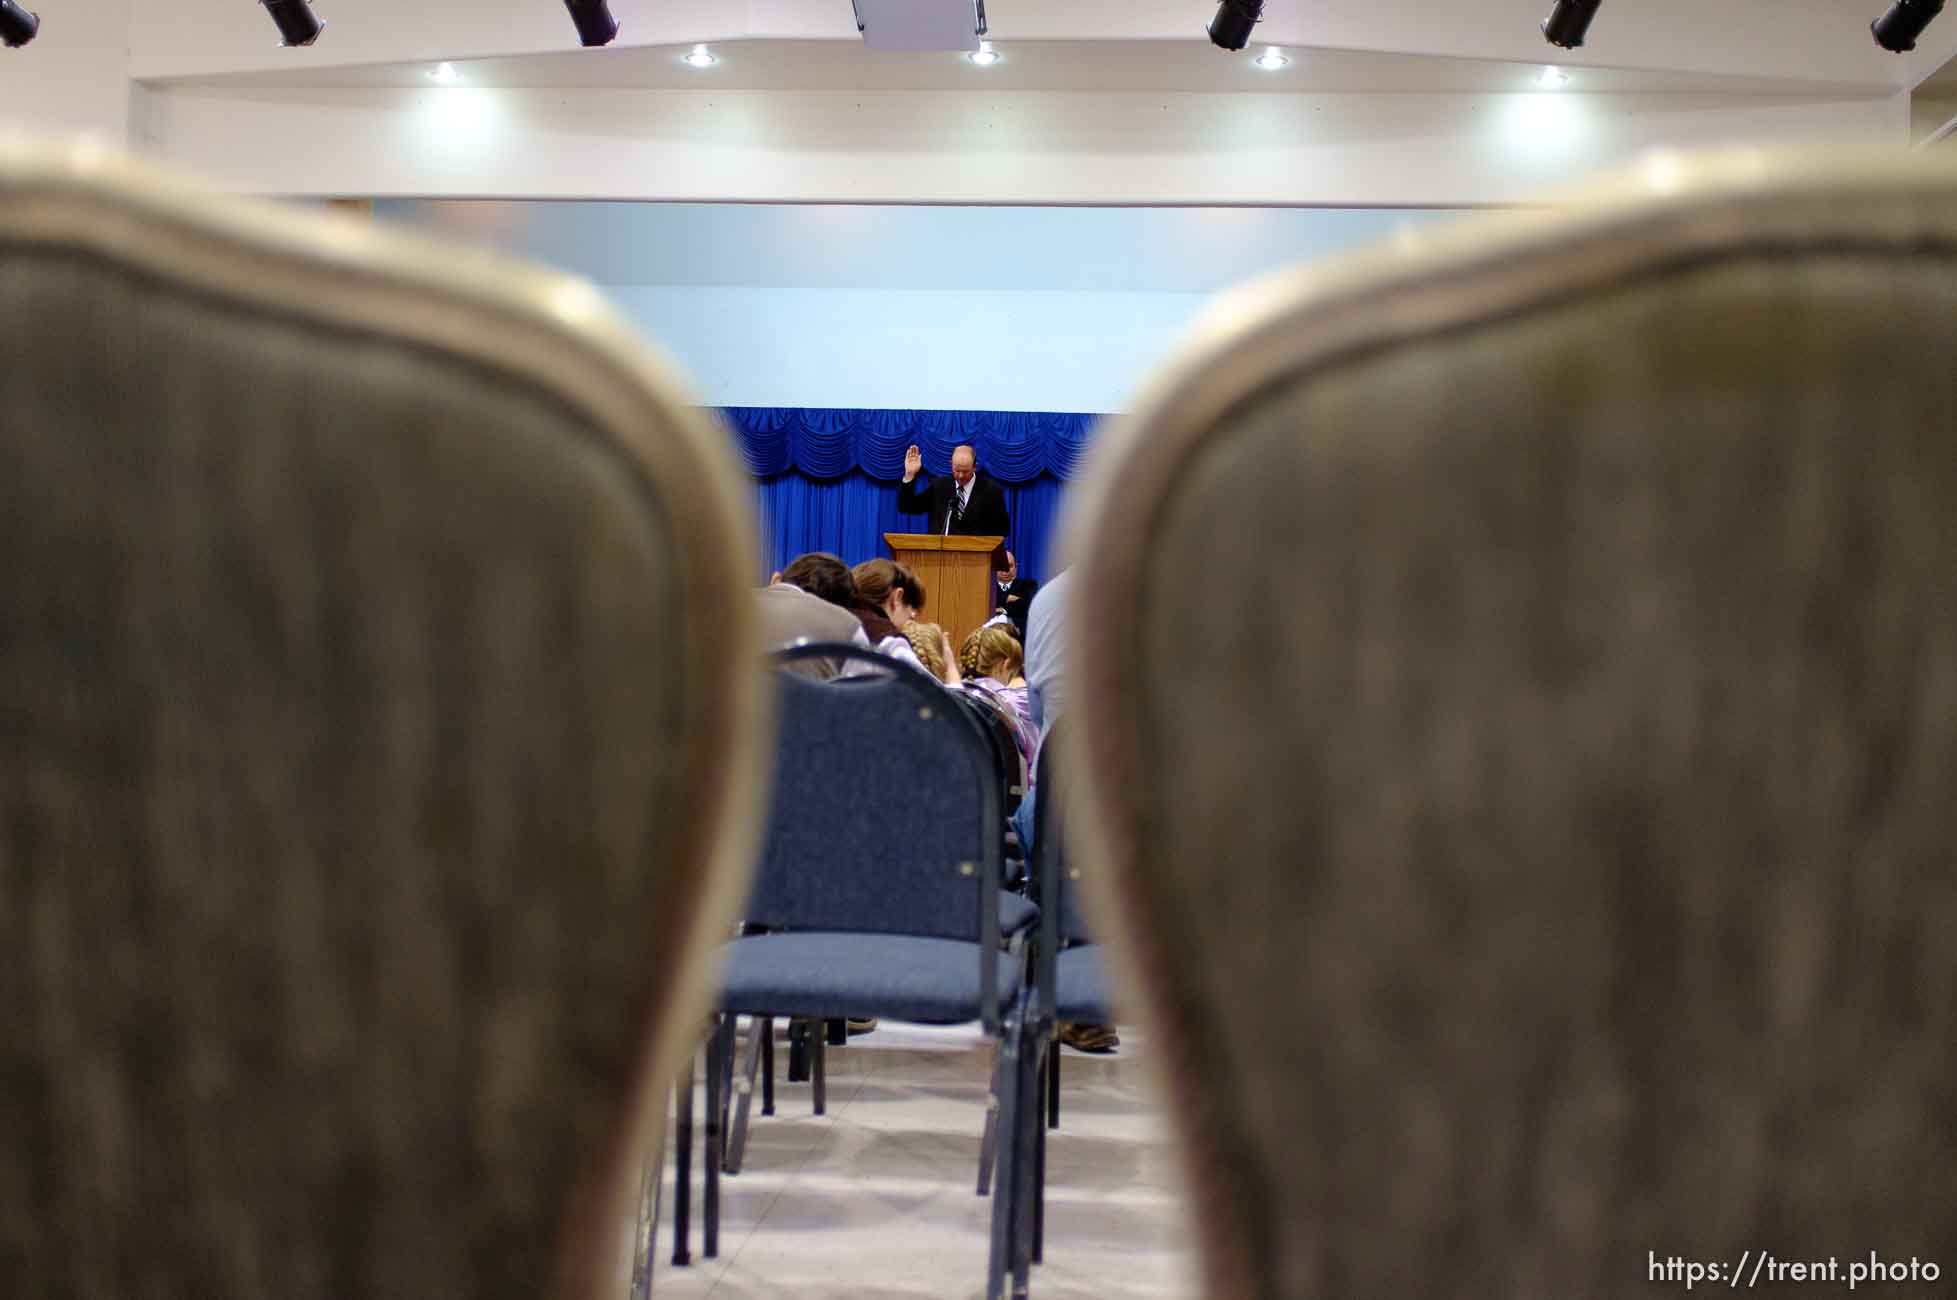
<point x="1011" y="570"/>
<point x="962" y="466"/>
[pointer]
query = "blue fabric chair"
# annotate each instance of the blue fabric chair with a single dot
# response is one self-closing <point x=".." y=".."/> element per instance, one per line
<point x="1070" y="983"/>
<point x="1071" y="968"/>
<point x="1017" y="917"/>
<point x="1012" y="775"/>
<point x="878" y="883"/>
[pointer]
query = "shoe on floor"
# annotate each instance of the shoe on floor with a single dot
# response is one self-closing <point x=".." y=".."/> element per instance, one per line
<point x="862" y="1026"/>
<point x="1097" y="1040"/>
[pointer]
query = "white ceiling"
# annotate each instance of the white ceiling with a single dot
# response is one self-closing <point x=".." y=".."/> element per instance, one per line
<point x="1193" y="66"/>
<point x="1797" y="43"/>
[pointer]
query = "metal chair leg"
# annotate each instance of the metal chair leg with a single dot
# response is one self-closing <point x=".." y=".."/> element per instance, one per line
<point x="1053" y="1084"/>
<point x="1001" y="1252"/>
<point x="682" y="1164"/>
<point x="729" y="1046"/>
<point x="768" y="1072"/>
<point x="1042" y="1084"/>
<point x="761" y="1029"/>
<point x="989" y="1139"/>
<point x="714" y="1151"/>
<point x="798" y="1051"/>
<point x="646" y="1236"/>
<point x="819" y="1076"/>
<point x="1026" y="1188"/>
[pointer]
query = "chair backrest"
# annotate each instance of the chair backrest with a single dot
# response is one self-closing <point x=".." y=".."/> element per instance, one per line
<point x="380" y="747"/>
<point x="1526" y="794"/>
<point x="1002" y="738"/>
<point x="885" y="813"/>
<point x="1058" y="874"/>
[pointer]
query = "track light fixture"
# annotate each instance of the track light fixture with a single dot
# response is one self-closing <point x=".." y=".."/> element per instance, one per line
<point x="1897" y="30"/>
<point x="17" y="26"/>
<point x="296" y="23"/>
<point x="1568" y="21"/>
<point x="1230" y="29"/>
<point x="596" y="26"/>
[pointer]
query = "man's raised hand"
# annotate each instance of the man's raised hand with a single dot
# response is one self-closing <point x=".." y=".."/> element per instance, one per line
<point x="913" y="462"/>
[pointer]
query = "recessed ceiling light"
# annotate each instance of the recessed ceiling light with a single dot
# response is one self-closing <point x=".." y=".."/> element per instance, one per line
<point x="445" y="74"/>
<point x="985" y="56"/>
<point x="1553" y="79"/>
<point x="1271" y="60"/>
<point x="701" y="57"/>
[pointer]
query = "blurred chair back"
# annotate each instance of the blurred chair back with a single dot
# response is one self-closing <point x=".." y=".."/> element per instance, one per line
<point x="1517" y="709"/>
<point x="379" y="749"/>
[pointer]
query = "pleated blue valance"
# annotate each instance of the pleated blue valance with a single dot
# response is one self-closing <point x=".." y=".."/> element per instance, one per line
<point x="827" y="442"/>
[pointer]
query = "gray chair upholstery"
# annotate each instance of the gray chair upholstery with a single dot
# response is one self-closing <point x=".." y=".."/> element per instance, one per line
<point x="1516" y="682"/>
<point x="375" y="778"/>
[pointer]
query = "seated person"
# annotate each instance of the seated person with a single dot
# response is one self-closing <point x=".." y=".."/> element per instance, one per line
<point x="990" y="662"/>
<point x="888" y="597"/>
<point x="933" y="648"/>
<point x="810" y="600"/>
<point x="1013" y="595"/>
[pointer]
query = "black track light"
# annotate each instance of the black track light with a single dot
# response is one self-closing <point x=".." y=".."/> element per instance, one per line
<point x="17" y="26"/>
<point x="1568" y="21"/>
<point x="295" y="20"/>
<point x="596" y="26"/>
<point x="1897" y="30"/>
<point x="1230" y="29"/>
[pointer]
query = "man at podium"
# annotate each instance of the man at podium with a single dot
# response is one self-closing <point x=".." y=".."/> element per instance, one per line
<point x="963" y="505"/>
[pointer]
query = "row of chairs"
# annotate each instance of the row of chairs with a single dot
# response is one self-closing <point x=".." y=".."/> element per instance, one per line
<point x="839" y="928"/>
<point x="856" y="804"/>
<point x="879" y="887"/>
<point x="1512" y="728"/>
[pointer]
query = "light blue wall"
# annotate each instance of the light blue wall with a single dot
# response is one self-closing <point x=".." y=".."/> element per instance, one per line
<point x="946" y="349"/>
<point x="1038" y="309"/>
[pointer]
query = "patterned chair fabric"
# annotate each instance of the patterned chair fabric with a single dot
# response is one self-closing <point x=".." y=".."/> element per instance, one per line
<point x="1517" y="695"/>
<point x="375" y="775"/>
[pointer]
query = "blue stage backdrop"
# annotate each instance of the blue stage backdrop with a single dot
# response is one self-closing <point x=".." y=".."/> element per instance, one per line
<point x="826" y="479"/>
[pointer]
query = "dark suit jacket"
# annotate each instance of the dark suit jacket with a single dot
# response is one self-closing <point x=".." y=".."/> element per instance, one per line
<point x="984" y="517"/>
<point x="1023" y="588"/>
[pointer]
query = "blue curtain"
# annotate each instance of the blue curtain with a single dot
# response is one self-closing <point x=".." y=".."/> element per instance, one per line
<point x="826" y="479"/>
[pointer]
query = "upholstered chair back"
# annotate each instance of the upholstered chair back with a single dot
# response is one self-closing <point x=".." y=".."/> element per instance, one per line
<point x="1517" y="709"/>
<point x="381" y="728"/>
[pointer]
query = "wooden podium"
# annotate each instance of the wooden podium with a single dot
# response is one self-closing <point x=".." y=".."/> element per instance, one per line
<point x="959" y="590"/>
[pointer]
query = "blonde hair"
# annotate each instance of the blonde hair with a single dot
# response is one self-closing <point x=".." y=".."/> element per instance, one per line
<point x="991" y="645"/>
<point x="928" y="640"/>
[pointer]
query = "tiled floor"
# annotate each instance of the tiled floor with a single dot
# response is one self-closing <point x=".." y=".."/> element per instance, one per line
<point x="875" y="1200"/>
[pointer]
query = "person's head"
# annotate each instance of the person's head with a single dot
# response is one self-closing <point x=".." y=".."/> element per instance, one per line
<point x="821" y="574"/>
<point x="964" y="463"/>
<point x="890" y="587"/>
<point x="1011" y="570"/>
<point x="928" y="639"/>
<point x="992" y="651"/>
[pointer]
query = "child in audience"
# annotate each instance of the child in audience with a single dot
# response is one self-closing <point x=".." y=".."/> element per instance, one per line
<point x="990" y="662"/>
<point x="933" y="647"/>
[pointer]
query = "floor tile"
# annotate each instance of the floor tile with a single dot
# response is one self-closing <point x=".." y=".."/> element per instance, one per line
<point x="876" y="1200"/>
